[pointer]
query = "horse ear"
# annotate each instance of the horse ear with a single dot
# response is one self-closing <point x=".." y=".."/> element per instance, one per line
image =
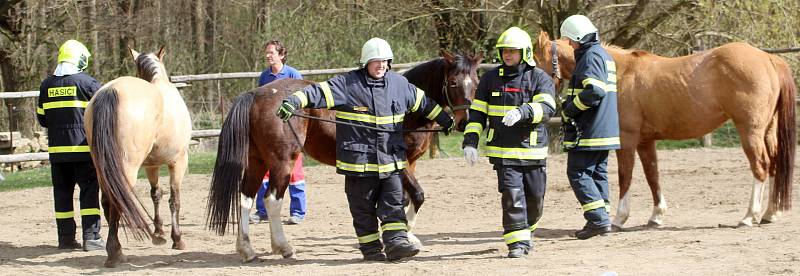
<point x="478" y="58"/>
<point x="161" y="54"/>
<point x="134" y="53"/>
<point x="543" y="38"/>
<point x="446" y="55"/>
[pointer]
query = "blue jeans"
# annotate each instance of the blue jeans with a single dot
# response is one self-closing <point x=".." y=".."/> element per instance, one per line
<point x="297" y="206"/>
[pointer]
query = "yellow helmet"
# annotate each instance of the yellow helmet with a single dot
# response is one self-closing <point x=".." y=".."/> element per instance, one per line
<point x="74" y="52"/>
<point x="516" y="38"/>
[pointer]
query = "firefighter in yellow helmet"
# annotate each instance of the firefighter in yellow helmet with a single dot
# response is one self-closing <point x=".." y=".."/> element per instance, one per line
<point x="591" y="123"/>
<point x="63" y="96"/>
<point x="513" y="102"/>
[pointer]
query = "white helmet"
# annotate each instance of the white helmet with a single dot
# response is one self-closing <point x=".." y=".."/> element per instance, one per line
<point x="516" y="38"/>
<point x="375" y="48"/>
<point x="576" y="27"/>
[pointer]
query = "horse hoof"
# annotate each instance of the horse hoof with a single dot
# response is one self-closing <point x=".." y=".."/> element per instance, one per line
<point x="113" y="262"/>
<point x="159" y="240"/>
<point x="288" y="255"/>
<point x="653" y="224"/>
<point x="615" y="228"/>
<point x="179" y="245"/>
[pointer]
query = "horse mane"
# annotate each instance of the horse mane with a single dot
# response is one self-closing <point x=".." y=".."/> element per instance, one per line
<point x="148" y="66"/>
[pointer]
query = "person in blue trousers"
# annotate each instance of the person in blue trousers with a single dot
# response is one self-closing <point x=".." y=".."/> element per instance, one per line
<point x="276" y="58"/>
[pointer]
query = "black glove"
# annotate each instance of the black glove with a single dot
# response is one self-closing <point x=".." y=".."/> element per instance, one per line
<point x="448" y="127"/>
<point x="285" y="111"/>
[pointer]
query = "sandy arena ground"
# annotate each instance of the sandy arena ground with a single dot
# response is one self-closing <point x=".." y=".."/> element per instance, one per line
<point x="707" y="191"/>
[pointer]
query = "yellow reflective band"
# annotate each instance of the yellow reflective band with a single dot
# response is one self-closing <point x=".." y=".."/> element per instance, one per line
<point x="516" y="236"/>
<point x="611" y="88"/>
<point x="40" y="111"/>
<point x="418" y="101"/>
<point x="516" y="153"/>
<point x="533" y="228"/>
<point x="65" y="149"/>
<point x="65" y="104"/>
<point x="534" y="138"/>
<point x="370" y="167"/>
<point x="574" y="92"/>
<point x="579" y="104"/>
<point x="369" y="238"/>
<point x="495" y="93"/>
<point x="544" y="98"/>
<point x="568" y="143"/>
<point x="65" y="215"/>
<point x="392" y="226"/>
<point x="90" y="211"/>
<point x="475" y="127"/>
<point x="302" y="97"/>
<point x="538" y="112"/>
<point x="592" y="142"/>
<point x="500" y="110"/>
<point x="478" y="105"/>
<point x="612" y="77"/>
<point x="366" y="118"/>
<point x="490" y="135"/>
<point x="593" y="205"/>
<point x="67" y="91"/>
<point x="501" y="72"/>
<point x="594" y="82"/>
<point x="611" y="66"/>
<point x="326" y="91"/>
<point x="434" y="113"/>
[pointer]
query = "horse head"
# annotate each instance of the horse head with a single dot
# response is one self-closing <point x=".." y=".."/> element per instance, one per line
<point x="149" y="66"/>
<point x="555" y="57"/>
<point x="460" y="83"/>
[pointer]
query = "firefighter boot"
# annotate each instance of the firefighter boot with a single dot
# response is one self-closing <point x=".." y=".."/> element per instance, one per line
<point x="66" y="234"/>
<point x="398" y="246"/>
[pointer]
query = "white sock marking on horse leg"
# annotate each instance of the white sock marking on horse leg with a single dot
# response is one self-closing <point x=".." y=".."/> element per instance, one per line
<point x="243" y="245"/>
<point x="772" y="214"/>
<point x="411" y="217"/>
<point x="754" y="211"/>
<point x="279" y="243"/>
<point x="623" y="211"/>
<point x="657" y="218"/>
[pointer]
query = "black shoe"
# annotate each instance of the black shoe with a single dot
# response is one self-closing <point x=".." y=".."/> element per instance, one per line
<point x="73" y="244"/>
<point x="517" y="252"/>
<point x="376" y="257"/>
<point x="588" y="232"/>
<point x="400" y="249"/>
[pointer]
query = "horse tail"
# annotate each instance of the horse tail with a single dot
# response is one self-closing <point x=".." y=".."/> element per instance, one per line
<point x="787" y="139"/>
<point x="232" y="151"/>
<point x="108" y="163"/>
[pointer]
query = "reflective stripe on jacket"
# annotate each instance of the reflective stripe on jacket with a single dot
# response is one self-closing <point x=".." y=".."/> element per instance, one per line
<point x="382" y="103"/>
<point x="503" y="89"/>
<point x="62" y="101"/>
<point x="592" y="101"/>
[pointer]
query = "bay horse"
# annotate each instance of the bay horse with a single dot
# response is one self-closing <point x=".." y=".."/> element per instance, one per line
<point x="253" y="140"/>
<point x="133" y="122"/>
<point x="689" y="96"/>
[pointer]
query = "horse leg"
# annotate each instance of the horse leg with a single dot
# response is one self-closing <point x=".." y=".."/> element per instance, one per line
<point x="177" y="170"/>
<point x="155" y="195"/>
<point x="113" y="247"/>
<point x="755" y="149"/>
<point x="250" y="184"/>
<point x="278" y="183"/>
<point x="416" y="198"/>
<point x="626" y="159"/>
<point x="649" y="158"/>
<point x="771" y="142"/>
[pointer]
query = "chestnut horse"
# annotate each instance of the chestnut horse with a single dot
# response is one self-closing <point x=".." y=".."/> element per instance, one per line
<point x="133" y="122"/>
<point x="253" y="140"/>
<point x="686" y="97"/>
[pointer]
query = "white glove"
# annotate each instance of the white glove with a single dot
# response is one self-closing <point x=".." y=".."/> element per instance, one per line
<point x="471" y="154"/>
<point x="512" y="117"/>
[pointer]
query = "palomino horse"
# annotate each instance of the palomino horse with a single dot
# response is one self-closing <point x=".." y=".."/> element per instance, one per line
<point x="687" y="97"/>
<point x="253" y="139"/>
<point x="133" y="122"/>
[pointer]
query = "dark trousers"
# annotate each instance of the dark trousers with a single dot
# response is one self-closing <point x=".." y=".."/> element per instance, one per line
<point x="522" y="189"/>
<point x="588" y="175"/>
<point x="64" y="177"/>
<point x="372" y="199"/>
